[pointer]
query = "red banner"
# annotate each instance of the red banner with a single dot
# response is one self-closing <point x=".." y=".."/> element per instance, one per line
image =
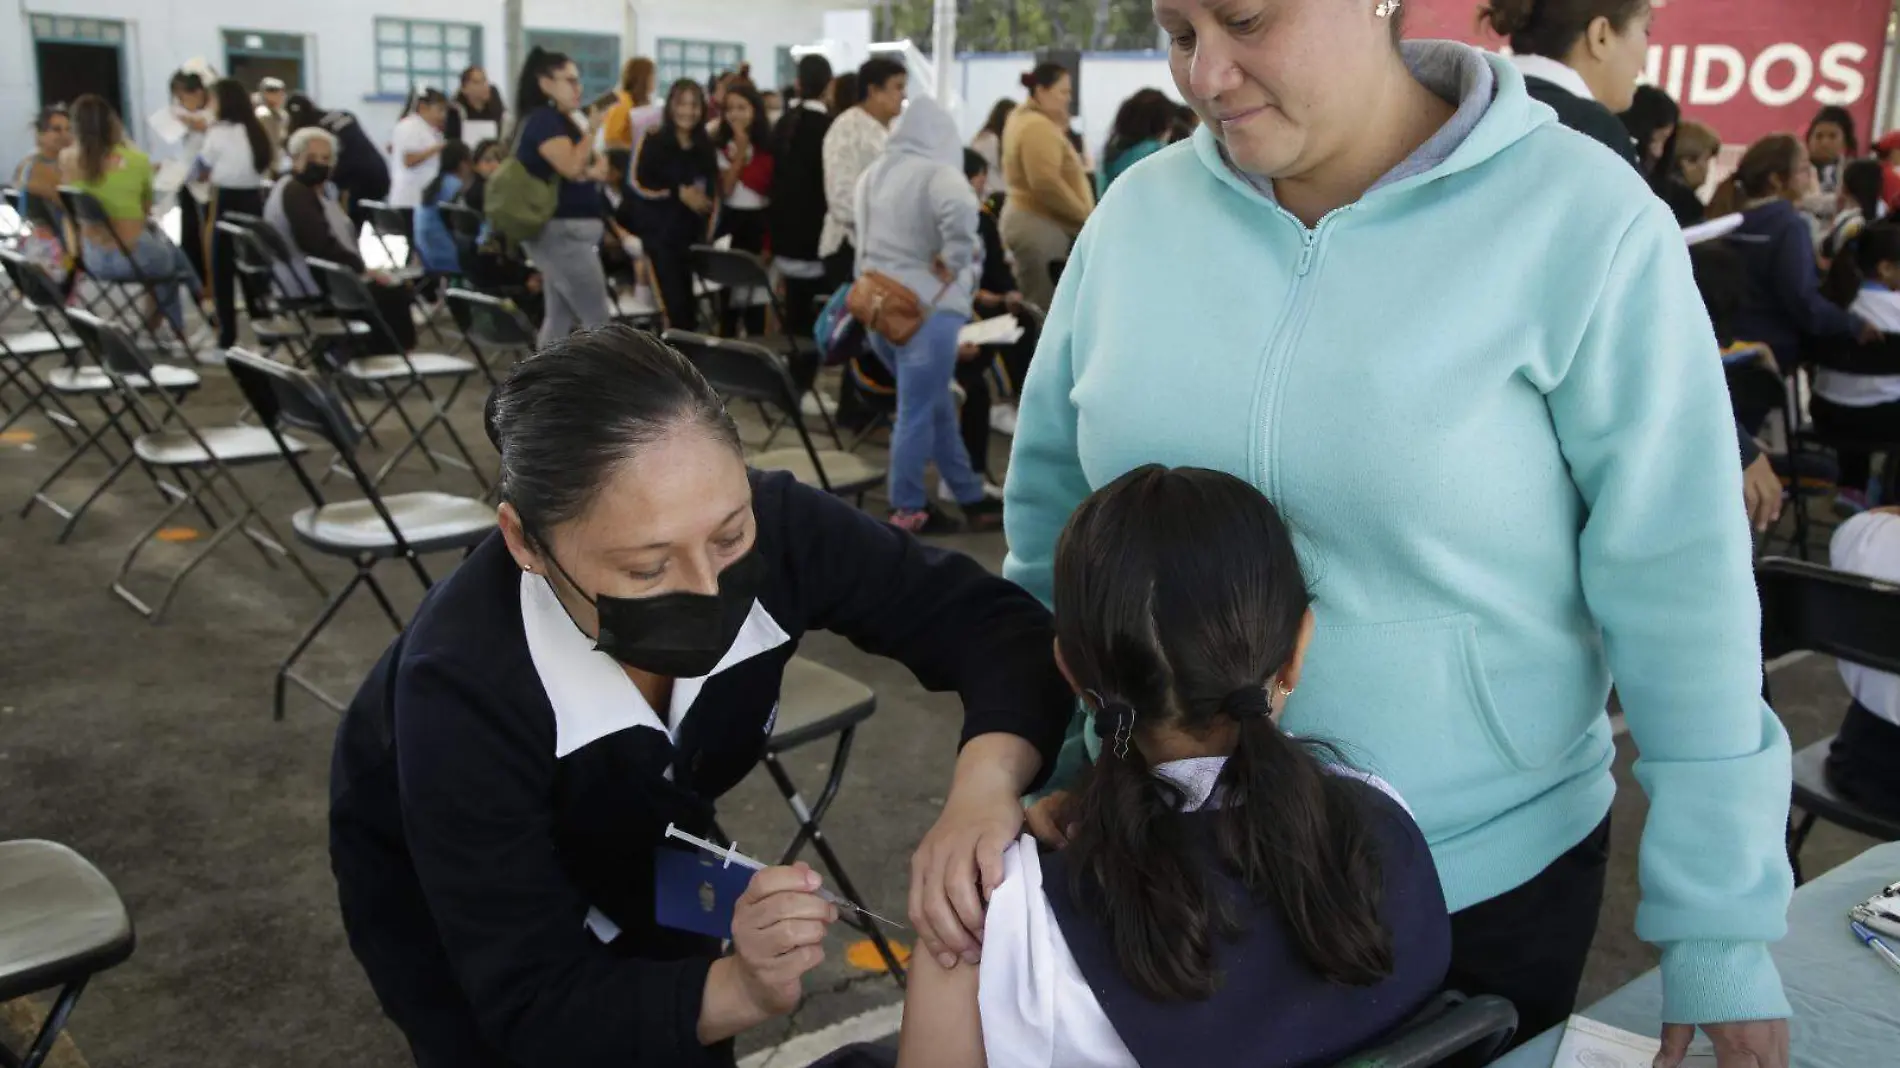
<point x="1747" y="68"/>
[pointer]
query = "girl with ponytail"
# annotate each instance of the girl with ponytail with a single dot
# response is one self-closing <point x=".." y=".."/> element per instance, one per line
<point x="1225" y="888"/>
<point x="1865" y="279"/>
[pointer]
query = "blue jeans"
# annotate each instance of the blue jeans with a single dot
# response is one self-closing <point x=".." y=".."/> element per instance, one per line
<point x="162" y="263"/>
<point x="926" y="427"/>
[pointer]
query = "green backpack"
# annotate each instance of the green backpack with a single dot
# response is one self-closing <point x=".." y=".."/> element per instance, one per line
<point x="517" y="203"/>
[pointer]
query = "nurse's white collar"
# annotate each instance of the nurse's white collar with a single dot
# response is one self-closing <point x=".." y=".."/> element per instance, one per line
<point x="590" y="692"/>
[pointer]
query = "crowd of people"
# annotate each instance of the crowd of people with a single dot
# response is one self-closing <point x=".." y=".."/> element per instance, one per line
<point x="1565" y="516"/>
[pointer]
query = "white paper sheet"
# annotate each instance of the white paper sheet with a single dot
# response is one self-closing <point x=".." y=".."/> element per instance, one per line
<point x="1589" y="1044"/>
<point x="169" y="176"/>
<point x="166" y="126"/>
<point x="1714" y="228"/>
<point x="475" y="131"/>
<point x="1002" y="330"/>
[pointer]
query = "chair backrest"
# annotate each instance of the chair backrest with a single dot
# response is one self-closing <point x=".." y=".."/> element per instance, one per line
<point x="36" y="287"/>
<point x="242" y="218"/>
<point x="385" y="220"/>
<point x="84" y="206"/>
<point x="1807" y="607"/>
<point x="1450" y="1030"/>
<point x="252" y="257"/>
<point x="462" y="220"/>
<point x="41" y="211"/>
<point x="349" y="295"/>
<point x="109" y="345"/>
<point x="490" y="322"/>
<point x="738" y="369"/>
<point x="729" y="267"/>
<point x="285" y="397"/>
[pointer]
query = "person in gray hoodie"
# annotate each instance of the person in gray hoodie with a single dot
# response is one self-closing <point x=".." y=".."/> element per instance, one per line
<point x="917" y="223"/>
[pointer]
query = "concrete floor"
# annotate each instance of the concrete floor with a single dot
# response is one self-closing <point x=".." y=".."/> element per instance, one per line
<point x="152" y="751"/>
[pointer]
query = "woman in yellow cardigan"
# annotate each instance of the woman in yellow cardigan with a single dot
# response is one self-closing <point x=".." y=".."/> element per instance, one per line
<point x="1049" y="192"/>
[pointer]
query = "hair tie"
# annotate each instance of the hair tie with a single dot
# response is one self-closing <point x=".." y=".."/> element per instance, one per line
<point x="1246" y="703"/>
<point x="1114" y="722"/>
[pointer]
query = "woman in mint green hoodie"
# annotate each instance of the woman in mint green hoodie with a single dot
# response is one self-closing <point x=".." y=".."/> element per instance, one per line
<point x="1461" y="348"/>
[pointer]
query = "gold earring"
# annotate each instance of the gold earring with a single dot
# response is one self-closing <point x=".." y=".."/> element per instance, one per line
<point x="1386" y="8"/>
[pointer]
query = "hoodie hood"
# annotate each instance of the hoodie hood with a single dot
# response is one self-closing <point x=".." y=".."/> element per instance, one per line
<point x="1455" y="72"/>
<point x="926" y="130"/>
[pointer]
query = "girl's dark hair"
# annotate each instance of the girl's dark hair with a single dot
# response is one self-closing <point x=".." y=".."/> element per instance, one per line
<point x="482" y="148"/>
<point x="419" y="97"/>
<point x="1178" y="597"/>
<point x="234" y="105"/>
<point x="761" y="131"/>
<point x="565" y="417"/>
<point x="1651" y="109"/>
<point x="1864" y="180"/>
<point x="1146" y="116"/>
<point x="454" y="155"/>
<point x="844" y="92"/>
<point x="185" y="81"/>
<point x="1721" y="276"/>
<point x="974" y="164"/>
<point x="1834" y="114"/>
<point x="491" y="111"/>
<point x="1044" y="76"/>
<point x="302" y="112"/>
<point x="1551" y="28"/>
<point x="1859" y="259"/>
<point x="44" y="120"/>
<point x="96" y="132"/>
<point x="814" y="76"/>
<point x="1774" y="156"/>
<point x="686" y="85"/>
<point x="528" y="94"/>
<point x="999" y="114"/>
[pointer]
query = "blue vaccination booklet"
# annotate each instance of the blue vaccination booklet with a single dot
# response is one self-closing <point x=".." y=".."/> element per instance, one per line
<point x="695" y="892"/>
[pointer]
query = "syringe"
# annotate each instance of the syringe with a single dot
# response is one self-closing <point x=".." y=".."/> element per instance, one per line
<point x="731" y="855"/>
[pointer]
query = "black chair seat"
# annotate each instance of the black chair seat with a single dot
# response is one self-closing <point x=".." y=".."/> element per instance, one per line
<point x="60" y="919"/>
<point x="1450" y="1030"/>
<point x="1813" y="794"/>
<point x="816" y="702"/>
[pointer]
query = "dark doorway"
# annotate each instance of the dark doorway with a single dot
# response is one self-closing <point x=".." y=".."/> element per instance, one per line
<point x="68" y="70"/>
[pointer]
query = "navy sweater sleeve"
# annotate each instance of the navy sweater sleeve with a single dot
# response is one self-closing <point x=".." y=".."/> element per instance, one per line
<point x="475" y="778"/>
<point x="941" y="614"/>
<point x="1747" y="442"/>
<point x="1798" y="285"/>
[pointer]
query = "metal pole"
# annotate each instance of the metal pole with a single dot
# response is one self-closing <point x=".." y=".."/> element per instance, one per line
<point x="943" y="50"/>
<point x="513" y="46"/>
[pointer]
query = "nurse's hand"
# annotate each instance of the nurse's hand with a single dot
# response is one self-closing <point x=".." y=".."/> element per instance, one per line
<point x="778" y="934"/>
<point x="960" y="862"/>
<point x="1748" y="1044"/>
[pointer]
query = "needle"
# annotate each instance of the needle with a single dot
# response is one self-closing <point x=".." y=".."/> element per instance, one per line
<point x="731" y="855"/>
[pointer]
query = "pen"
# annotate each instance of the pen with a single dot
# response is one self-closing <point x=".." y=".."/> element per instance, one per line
<point x="1874" y="943"/>
<point x="731" y="855"/>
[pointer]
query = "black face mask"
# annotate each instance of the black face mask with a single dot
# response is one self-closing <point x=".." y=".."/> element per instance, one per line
<point x="677" y="635"/>
<point x="314" y="173"/>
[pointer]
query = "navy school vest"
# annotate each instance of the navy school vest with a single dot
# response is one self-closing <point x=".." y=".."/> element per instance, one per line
<point x="1272" y="1010"/>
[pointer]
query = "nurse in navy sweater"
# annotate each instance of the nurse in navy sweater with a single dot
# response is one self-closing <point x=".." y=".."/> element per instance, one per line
<point x="609" y="663"/>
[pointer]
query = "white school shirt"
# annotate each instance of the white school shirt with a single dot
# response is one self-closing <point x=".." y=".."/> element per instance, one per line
<point x="413" y="134"/>
<point x="1869" y="544"/>
<point x="1036" y="1008"/>
<point x="1880" y="306"/>
<point x="226" y="154"/>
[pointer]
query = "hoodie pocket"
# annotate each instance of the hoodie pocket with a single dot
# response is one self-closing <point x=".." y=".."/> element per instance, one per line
<point x="1408" y="701"/>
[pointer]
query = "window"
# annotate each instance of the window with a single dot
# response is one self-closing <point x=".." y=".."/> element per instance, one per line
<point x="413" y="53"/>
<point x="596" y="54"/>
<point x="701" y="61"/>
<point x="251" y="56"/>
<point x="787" y="68"/>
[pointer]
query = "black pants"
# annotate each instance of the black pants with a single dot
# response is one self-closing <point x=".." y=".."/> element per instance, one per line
<point x="1879" y="423"/>
<point x="1863" y="765"/>
<point x="841" y="267"/>
<point x="673" y="270"/>
<point x="973" y="422"/>
<point x="1753" y="392"/>
<point x="747" y="229"/>
<point x="191" y="221"/>
<point x="801" y="304"/>
<point x="224" y="276"/>
<point x="1529" y="945"/>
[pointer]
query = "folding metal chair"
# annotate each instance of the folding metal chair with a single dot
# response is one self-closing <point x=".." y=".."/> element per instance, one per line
<point x="1451" y="1030"/>
<point x="200" y="459"/>
<point x="744" y="371"/>
<point x="86" y="211"/>
<point x="19" y="353"/>
<point x="1809" y="608"/>
<point x="465" y="229"/>
<point x="386" y="222"/>
<point x="491" y="326"/>
<point x="395" y="377"/>
<point x="817" y="703"/>
<point x="80" y="379"/>
<point x="366" y="531"/>
<point x="296" y="316"/>
<point x="743" y="276"/>
<point x="61" y="923"/>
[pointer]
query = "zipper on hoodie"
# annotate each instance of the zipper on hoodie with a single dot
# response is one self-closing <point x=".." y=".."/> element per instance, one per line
<point x="1279" y="348"/>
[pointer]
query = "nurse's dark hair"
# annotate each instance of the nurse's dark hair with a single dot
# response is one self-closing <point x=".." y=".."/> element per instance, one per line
<point x="566" y="417"/>
<point x="1178" y="597"/>
<point x="1551" y="28"/>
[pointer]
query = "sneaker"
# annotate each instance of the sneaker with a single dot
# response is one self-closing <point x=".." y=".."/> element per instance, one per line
<point x="1003" y="419"/>
<point x="991" y="491"/>
<point x="813" y="406"/>
<point x="986" y="514"/>
<point x="925" y="521"/>
<point x="212" y="357"/>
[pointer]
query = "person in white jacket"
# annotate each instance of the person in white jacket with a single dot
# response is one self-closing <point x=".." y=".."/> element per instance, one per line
<point x="916" y="221"/>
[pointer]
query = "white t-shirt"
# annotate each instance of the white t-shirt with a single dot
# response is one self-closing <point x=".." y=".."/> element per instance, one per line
<point x="1869" y="544"/>
<point x="226" y="154"/>
<point x="1881" y="307"/>
<point x="413" y="134"/>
